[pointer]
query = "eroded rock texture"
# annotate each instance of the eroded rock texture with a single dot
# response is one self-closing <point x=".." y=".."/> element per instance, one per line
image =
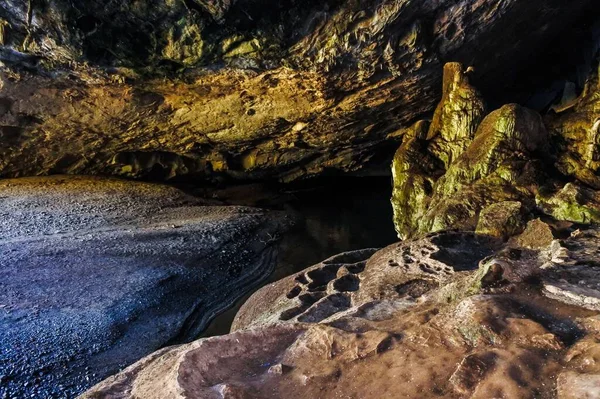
<point x="97" y="273"/>
<point x="247" y="88"/>
<point x="577" y="132"/>
<point x="493" y="173"/>
<point x="449" y="315"/>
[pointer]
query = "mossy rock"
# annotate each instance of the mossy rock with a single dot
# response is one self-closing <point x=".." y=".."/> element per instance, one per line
<point x="502" y="219"/>
<point x="466" y="165"/>
<point x="574" y="203"/>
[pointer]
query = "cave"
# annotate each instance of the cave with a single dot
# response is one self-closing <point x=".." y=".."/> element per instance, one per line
<point x="286" y="199"/>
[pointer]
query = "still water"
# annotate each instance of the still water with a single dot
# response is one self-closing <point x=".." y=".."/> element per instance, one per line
<point x="334" y="216"/>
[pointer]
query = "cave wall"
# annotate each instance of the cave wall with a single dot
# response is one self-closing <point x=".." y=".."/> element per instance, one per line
<point x="245" y="89"/>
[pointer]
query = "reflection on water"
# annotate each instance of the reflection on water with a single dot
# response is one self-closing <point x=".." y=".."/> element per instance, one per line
<point x="336" y="216"/>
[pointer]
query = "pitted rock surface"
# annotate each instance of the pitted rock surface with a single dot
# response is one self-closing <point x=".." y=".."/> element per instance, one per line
<point x="311" y="295"/>
<point x="475" y="324"/>
<point x="572" y="275"/>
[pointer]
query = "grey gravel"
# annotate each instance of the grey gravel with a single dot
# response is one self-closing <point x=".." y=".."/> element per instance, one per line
<point x="97" y="273"/>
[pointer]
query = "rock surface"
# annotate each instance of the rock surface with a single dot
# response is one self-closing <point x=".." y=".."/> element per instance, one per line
<point x="494" y="173"/>
<point x="502" y="219"/>
<point x="97" y="273"/>
<point x="250" y="88"/>
<point x="448" y="315"/>
<point x="577" y="129"/>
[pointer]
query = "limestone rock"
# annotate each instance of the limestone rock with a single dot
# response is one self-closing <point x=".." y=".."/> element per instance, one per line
<point x="405" y="272"/>
<point x="537" y="235"/>
<point x="572" y="274"/>
<point x="311" y="295"/>
<point x="501" y="219"/>
<point x="414" y="172"/>
<point x="584" y="378"/>
<point x="427" y="150"/>
<point x="497" y="166"/>
<point x="456" y="117"/>
<point x="577" y="134"/>
<point x="97" y="273"/>
<point x="498" y="163"/>
<point x="496" y="335"/>
<point x="574" y="203"/>
<point x="573" y="385"/>
<point x="447" y="177"/>
<point x="222" y="89"/>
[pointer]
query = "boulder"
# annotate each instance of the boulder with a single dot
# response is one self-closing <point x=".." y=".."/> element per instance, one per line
<point x="501" y="219"/>
<point x="537" y="235"/>
<point x="574" y="203"/>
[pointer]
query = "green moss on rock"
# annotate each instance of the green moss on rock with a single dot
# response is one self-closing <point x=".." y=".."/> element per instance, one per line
<point x="502" y="219"/>
<point x="574" y="203"/>
<point x="490" y="175"/>
<point x="466" y="164"/>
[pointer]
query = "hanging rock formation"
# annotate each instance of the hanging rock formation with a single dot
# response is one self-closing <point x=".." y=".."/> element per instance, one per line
<point x="249" y="88"/>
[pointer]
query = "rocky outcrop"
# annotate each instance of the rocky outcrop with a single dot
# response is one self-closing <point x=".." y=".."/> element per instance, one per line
<point x="448" y="315"/>
<point x="350" y="280"/>
<point x="247" y="89"/>
<point x="502" y="219"/>
<point x="492" y="174"/>
<point x="97" y="273"/>
<point x="576" y="130"/>
<point x="573" y="203"/>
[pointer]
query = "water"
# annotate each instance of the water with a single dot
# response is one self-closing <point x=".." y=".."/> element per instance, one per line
<point x="334" y="216"/>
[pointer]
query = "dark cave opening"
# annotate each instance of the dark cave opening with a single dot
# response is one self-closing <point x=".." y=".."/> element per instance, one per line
<point x="538" y="81"/>
<point x="335" y="215"/>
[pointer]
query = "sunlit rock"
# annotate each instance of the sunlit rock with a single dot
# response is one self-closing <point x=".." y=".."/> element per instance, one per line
<point x="448" y="315"/>
<point x="574" y="203"/>
<point x="466" y="162"/>
<point x="510" y="158"/>
<point x="214" y="90"/>
<point x="576" y="132"/>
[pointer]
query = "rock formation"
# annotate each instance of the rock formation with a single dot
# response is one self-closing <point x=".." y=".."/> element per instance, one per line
<point x="493" y="173"/>
<point x="250" y="88"/>
<point x="576" y="132"/>
<point x="493" y="291"/>
<point x="448" y="315"/>
<point x="97" y="273"/>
